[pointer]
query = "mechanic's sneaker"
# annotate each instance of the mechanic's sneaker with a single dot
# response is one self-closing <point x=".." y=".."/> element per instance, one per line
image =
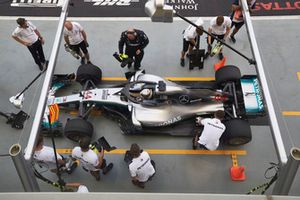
<point x="206" y="55"/>
<point x="232" y="38"/>
<point x="195" y="142"/>
<point x="107" y="168"/>
<point x="41" y="67"/>
<point x="182" y="62"/>
<point x="71" y="77"/>
<point x="221" y="56"/>
<point x="82" y="60"/>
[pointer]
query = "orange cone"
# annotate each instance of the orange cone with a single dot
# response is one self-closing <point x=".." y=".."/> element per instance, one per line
<point x="238" y="173"/>
<point x="220" y="64"/>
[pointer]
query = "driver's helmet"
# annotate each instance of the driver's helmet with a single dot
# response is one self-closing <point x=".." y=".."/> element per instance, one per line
<point x="146" y="93"/>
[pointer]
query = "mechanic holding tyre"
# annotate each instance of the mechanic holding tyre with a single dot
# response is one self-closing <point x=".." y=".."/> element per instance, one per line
<point x="135" y="41"/>
<point x="212" y="131"/>
<point x="76" y="39"/>
<point x="220" y="27"/>
<point x="90" y="160"/>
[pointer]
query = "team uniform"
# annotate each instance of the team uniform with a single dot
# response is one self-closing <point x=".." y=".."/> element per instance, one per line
<point x="76" y="39"/>
<point x="28" y="35"/>
<point x="142" y="168"/>
<point x="219" y="31"/>
<point x="89" y="161"/>
<point x="210" y="136"/>
<point x="131" y="46"/>
<point x="190" y="34"/>
<point x="46" y="156"/>
<point x="237" y="16"/>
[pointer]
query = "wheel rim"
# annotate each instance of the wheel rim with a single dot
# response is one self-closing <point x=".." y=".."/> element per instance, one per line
<point x="74" y="137"/>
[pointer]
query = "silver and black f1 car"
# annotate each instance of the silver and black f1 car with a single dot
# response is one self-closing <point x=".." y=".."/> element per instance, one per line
<point x="150" y="104"/>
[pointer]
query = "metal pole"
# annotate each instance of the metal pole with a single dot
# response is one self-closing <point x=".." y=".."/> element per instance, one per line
<point x="251" y="61"/>
<point x="287" y="174"/>
<point x="279" y="146"/>
<point x="25" y="173"/>
<point x="44" y="92"/>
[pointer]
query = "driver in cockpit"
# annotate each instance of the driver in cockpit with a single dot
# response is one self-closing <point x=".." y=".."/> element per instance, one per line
<point x="146" y="94"/>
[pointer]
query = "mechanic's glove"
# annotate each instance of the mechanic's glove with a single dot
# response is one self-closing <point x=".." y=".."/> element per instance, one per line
<point x="61" y="182"/>
<point x="209" y="47"/>
<point x="123" y="56"/>
<point x="86" y="44"/>
<point x="198" y="121"/>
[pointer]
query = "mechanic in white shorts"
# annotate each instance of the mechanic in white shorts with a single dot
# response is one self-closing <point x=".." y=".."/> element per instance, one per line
<point x="219" y="27"/>
<point x="142" y="168"/>
<point x="76" y="38"/>
<point x="90" y="160"/>
<point x="45" y="156"/>
<point x="212" y="131"/>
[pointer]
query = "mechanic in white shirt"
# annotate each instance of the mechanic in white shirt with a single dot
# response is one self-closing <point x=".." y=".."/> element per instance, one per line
<point x="219" y="27"/>
<point x="28" y="35"/>
<point x="142" y="168"/>
<point x="80" y="188"/>
<point x="212" y="131"/>
<point x="76" y="38"/>
<point x="45" y="156"/>
<point x="90" y="160"/>
<point x="190" y="38"/>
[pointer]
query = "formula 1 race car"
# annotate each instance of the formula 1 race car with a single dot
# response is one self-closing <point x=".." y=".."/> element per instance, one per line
<point x="150" y="104"/>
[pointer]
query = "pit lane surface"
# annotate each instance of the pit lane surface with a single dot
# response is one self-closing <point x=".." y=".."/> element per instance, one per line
<point x="176" y="173"/>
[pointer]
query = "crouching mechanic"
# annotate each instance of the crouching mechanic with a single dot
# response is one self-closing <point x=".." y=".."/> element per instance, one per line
<point x="135" y="41"/>
<point x="212" y="131"/>
<point x="90" y="160"/>
<point x="142" y="168"/>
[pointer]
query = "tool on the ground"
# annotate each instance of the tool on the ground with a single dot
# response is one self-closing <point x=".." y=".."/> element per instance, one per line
<point x="216" y="49"/>
<point x="71" y="51"/>
<point x="197" y="56"/>
<point x="123" y="59"/>
<point x="16" y="120"/>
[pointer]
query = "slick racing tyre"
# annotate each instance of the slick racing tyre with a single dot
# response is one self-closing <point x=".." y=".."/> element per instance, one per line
<point x="78" y="128"/>
<point x="228" y="73"/>
<point x="237" y="132"/>
<point x="87" y="72"/>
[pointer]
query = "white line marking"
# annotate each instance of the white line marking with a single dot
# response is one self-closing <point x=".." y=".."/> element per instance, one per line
<point x="91" y="19"/>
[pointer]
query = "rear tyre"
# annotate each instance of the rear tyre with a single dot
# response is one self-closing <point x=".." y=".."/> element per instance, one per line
<point x="228" y="73"/>
<point x="237" y="132"/>
<point x="88" y="72"/>
<point x="78" y="128"/>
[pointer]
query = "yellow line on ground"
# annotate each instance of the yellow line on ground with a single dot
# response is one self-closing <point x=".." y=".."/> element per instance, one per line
<point x="172" y="152"/>
<point x="114" y="79"/>
<point x="168" y="78"/>
<point x="291" y="113"/>
<point x="190" y="78"/>
<point x="298" y="74"/>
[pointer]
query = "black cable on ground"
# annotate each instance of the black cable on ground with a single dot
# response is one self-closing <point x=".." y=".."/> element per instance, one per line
<point x="266" y="185"/>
